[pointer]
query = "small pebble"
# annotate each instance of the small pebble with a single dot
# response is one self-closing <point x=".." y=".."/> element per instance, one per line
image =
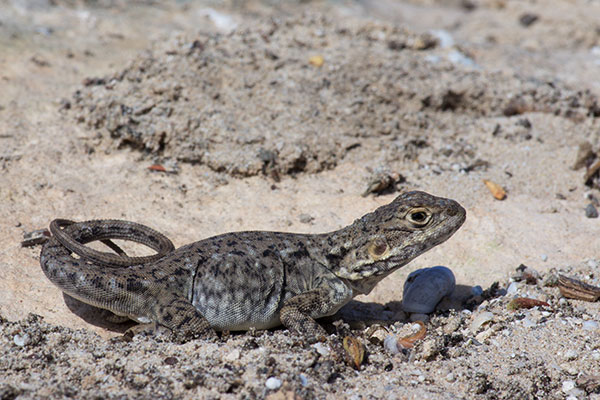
<point x="273" y="383"/>
<point x="569" y="369"/>
<point x="576" y="394"/>
<point x="591" y="325"/>
<point x="390" y="344"/>
<point x="21" y="340"/>
<point x="528" y="19"/>
<point x="306" y="218"/>
<point x="592" y="263"/>
<point x="528" y="322"/>
<point x="477" y="290"/>
<point x="481" y="319"/>
<point x="591" y="211"/>
<point x="303" y="380"/>
<point x="562" y="301"/>
<point x="512" y="288"/>
<point x="450" y="377"/>
<point x="321" y="349"/>
<point x="485" y="335"/>
<point x="232" y="356"/>
<point x="425" y="288"/>
<point x="567" y="386"/>
<point x="544" y="257"/>
<point x="570" y="355"/>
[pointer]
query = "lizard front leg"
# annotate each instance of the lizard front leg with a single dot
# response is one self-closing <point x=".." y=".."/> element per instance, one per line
<point x="299" y="312"/>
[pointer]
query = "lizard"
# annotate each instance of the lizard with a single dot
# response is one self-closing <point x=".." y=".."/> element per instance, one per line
<point x="250" y="279"/>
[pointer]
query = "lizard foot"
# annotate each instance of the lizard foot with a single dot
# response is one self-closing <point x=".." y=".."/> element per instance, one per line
<point x="188" y="335"/>
<point x="163" y="333"/>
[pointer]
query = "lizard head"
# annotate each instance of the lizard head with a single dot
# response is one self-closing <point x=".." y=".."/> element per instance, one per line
<point x="392" y="235"/>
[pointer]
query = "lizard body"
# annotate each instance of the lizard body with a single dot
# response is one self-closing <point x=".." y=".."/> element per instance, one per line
<point x="253" y="279"/>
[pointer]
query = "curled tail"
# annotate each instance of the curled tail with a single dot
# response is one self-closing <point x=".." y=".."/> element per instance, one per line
<point x="94" y="278"/>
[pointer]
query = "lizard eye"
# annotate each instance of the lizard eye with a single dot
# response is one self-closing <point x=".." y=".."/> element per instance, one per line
<point x="377" y="248"/>
<point x="419" y="217"/>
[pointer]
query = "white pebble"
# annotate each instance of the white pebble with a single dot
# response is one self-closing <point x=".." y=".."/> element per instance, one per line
<point x="590" y="325"/>
<point x="450" y="377"/>
<point x="485" y="335"/>
<point x="390" y="344"/>
<point x="424" y="288"/>
<point x="570" y="355"/>
<point x="21" y="340"/>
<point x="576" y="394"/>
<point x="481" y="319"/>
<point x="562" y="301"/>
<point x="273" y="383"/>
<point x="592" y="263"/>
<point x="544" y="257"/>
<point x="567" y="386"/>
<point x="303" y="380"/>
<point x="321" y="349"/>
<point x="528" y="322"/>
<point x="232" y="356"/>
<point x="596" y="355"/>
<point x="512" y="288"/>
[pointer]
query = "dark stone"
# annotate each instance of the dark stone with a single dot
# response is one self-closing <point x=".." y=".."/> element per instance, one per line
<point x="591" y="211"/>
<point x="528" y="19"/>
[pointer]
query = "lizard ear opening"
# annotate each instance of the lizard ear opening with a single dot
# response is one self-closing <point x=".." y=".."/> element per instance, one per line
<point x="419" y="217"/>
<point x="378" y="248"/>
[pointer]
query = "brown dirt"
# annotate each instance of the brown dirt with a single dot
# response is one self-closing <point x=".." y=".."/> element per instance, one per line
<point x="257" y="137"/>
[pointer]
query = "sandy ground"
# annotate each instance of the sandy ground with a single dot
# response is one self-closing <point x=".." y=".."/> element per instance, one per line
<point x="442" y="93"/>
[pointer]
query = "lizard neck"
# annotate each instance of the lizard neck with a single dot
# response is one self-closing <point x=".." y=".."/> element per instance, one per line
<point x="336" y="248"/>
<point x="332" y="247"/>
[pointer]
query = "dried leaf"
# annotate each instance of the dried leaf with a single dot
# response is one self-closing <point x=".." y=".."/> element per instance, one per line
<point x="592" y="171"/>
<point x="576" y="289"/>
<point x="157" y="167"/>
<point x="376" y="333"/>
<point x="409" y="341"/>
<point x="317" y="61"/>
<point x="524" y="302"/>
<point x="497" y="191"/>
<point x="355" y="350"/>
<point x="33" y="238"/>
<point x="585" y="156"/>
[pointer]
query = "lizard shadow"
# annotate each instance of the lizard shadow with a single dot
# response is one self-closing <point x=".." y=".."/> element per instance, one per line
<point x="97" y="316"/>
<point x="358" y="313"/>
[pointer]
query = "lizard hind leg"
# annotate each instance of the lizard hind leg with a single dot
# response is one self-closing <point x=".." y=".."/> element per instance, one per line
<point x="183" y="319"/>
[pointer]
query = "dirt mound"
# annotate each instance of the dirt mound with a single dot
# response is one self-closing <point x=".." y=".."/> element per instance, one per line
<point x="256" y="100"/>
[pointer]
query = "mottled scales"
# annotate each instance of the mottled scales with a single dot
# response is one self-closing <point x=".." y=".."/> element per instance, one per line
<point x="245" y="280"/>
